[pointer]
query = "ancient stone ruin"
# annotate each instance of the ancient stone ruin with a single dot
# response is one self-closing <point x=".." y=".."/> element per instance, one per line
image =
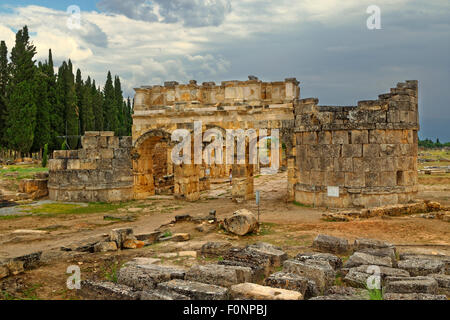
<point x="358" y="156"/>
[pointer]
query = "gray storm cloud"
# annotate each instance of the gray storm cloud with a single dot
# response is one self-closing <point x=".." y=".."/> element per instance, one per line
<point x="192" y="13"/>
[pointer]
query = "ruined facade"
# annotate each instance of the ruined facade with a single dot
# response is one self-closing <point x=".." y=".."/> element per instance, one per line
<point x="361" y="156"/>
<point x="99" y="172"/>
<point x="159" y="110"/>
<point x="366" y="153"/>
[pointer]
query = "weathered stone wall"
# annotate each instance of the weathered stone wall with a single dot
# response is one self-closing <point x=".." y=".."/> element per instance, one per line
<point x="253" y="104"/>
<point x="369" y="151"/>
<point x="99" y="172"/>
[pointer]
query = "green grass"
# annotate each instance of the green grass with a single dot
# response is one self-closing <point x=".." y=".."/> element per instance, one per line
<point x="375" y="294"/>
<point x="54" y="209"/>
<point x="23" y="172"/>
<point x="299" y="204"/>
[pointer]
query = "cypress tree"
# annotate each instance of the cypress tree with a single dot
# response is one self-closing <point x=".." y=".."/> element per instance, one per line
<point x="4" y="77"/>
<point x="129" y="118"/>
<point x="97" y="104"/>
<point x="21" y="92"/>
<point x="89" y="117"/>
<point x="56" y="108"/>
<point x="80" y="106"/>
<point x="42" y="133"/>
<point x="110" y="113"/>
<point x="121" y="124"/>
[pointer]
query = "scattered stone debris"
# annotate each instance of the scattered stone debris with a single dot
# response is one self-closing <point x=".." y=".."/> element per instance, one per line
<point x="220" y="275"/>
<point x="215" y="249"/>
<point x="241" y="222"/>
<point x="421" y="207"/>
<point x="94" y="290"/>
<point x="126" y="218"/>
<point x="194" y="290"/>
<point x="17" y="265"/>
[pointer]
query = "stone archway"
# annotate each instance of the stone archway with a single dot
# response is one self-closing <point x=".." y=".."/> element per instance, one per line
<point x="152" y="167"/>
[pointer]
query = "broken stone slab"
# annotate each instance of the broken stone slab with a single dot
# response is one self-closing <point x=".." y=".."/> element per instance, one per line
<point x="30" y="260"/>
<point x="288" y="281"/>
<point x="221" y="275"/>
<point x="413" y="296"/>
<point x="253" y="291"/>
<point x="339" y="297"/>
<point x="121" y="235"/>
<point x="179" y="237"/>
<point x="334" y="261"/>
<point x="362" y="243"/>
<point x="194" y="290"/>
<point x="183" y="217"/>
<point x="133" y="244"/>
<point x="443" y="281"/>
<point x="330" y="244"/>
<point x="147" y="276"/>
<point x="382" y="252"/>
<point x="275" y="254"/>
<point x="445" y="259"/>
<point x="319" y="271"/>
<point x="160" y="295"/>
<point x="241" y="222"/>
<point x="360" y="258"/>
<point x="423" y="267"/>
<point x="357" y="277"/>
<point x="411" y="285"/>
<point x="105" y="246"/>
<point x="215" y="248"/>
<point x="96" y="290"/>
<point x="150" y="237"/>
<point x="258" y="272"/>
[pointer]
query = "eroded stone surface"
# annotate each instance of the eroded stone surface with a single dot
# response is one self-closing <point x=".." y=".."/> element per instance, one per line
<point x="220" y="275"/>
<point x="319" y="271"/>
<point x="252" y="291"/>
<point x="411" y="285"/>
<point x="422" y="267"/>
<point x="194" y="290"/>
<point x="334" y="261"/>
<point x="360" y="258"/>
<point x="288" y="281"/>
<point x="330" y="244"/>
<point x="413" y="296"/>
<point x="241" y="222"/>
<point x="96" y="290"/>
<point x="144" y="277"/>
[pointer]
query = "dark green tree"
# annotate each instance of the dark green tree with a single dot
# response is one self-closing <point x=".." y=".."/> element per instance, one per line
<point x="4" y="77"/>
<point x="97" y="104"/>
<point x="79" y="92"/>
<point x="88" y="108"/>
<point x="42" y="133"/>
<point x="118" y="95"/>
<point x="21" y="93"/>
<point x="110" y="112"/>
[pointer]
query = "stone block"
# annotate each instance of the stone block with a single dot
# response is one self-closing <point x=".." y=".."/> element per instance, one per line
<point x="147" y="276"/>
<point x="360" y="136"/>
<point x="156" y="295"/>
<point x="113" y="142"/>
<point x="106" y="153"/>
<point x="95" y="290"/>
<point x="252" y="291"/>
<point x="361" y="258"/>
<point x="288" y="281"/>
<point x="331" y="244"/>
<point x="120" y="235"/>
<point x="357" y="277"/>
<point x="194" y="290"/>
<point x="343" y="164"/>
<point x="89" y="142"/>
<point x="324" y="137"/>
<point x="275" y="254"/>
<point x="334" y="261"/>
<point x="411" y="285"/>
<point x="371" y="150"/>
<point x="422" y="267"/>
<point x="340" y="137"/>
<point x="319" y="271"/>
<point x="220" y="275"/>
<point x="105" y="246"/>
<point x="413" y="296"/>
<point x="352" y="150"/>
<point x="241" y="222"/>
<point x="355" y="179"/>
<point x="215" y="249"/>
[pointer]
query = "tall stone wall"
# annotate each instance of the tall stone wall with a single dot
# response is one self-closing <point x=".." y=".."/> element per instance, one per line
<point x="99" y="172"/>
<point x="368" y="151"/>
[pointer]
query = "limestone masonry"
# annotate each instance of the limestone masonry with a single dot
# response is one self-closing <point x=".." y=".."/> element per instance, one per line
<point x="358" y="156"/>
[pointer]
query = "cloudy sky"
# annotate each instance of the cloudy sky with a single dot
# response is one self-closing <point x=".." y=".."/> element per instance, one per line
<point x="324" y="43"/>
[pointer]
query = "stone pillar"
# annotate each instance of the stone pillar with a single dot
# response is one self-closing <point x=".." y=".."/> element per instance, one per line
<point x="187" y="182"/>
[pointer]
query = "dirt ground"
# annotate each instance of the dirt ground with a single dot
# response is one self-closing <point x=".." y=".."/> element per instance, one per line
<point x="291" y="226"/>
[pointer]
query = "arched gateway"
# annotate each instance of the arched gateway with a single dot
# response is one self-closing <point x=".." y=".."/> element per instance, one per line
<point x="357" y="156"/>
